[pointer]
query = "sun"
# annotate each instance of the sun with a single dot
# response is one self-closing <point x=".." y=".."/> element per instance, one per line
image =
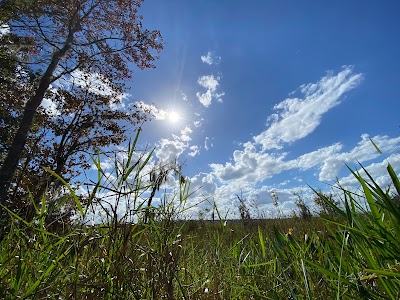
<point x="174" y="117"/>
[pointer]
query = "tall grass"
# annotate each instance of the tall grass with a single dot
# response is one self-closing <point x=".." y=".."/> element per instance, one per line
<point x="150" y="252"/>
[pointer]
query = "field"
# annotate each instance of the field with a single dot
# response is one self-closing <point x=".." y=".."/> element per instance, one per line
<point x="152" y="252"/>
<point x="351" y="254"/>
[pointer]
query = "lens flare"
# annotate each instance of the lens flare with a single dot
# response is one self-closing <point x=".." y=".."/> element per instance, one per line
<point x="173" y="117"/>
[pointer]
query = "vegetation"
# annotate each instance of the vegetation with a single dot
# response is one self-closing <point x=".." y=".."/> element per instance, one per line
<point x="80" y="40"/>
<point x="124" y="238"/>
<point x="134" y="254"/>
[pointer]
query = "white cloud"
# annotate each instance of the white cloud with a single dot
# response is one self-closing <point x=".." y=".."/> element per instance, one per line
<point x="210" y="83"/>
<point x="251" y="166"/>
<point x="50" y="107"/>
<point x="184" y="96"/>
<point x="364" y="151"/>
<point x="185" y="134"/>
<point x="203" y="183"/>
<point x="159" y="114"/>
<point x="169" y="150"/>
<point x="198" y="122"/>
<point x="194" y="150"/>
<point x="207" y="143"/>
<point x="210" y="58"/>
<point x="96" y="84"/>
<point x="314" y="158"/>
<point x="93" y="83"/>
<point x="105" y="165"/>
<point x="297" y="118"/>
<point x="4" y="29"/>
<point x="205" y="98"/>
<point x="377" y="170"/>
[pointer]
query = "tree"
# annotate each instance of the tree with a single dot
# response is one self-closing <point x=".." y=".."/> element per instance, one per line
<point x="83" y="120"/>
<point x="87" y="122"/>
<point x="16" y="85"/>
<point x="95" y="36"/>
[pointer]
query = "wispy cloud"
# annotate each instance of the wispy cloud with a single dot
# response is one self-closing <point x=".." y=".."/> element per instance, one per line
<point x="184" y="96"/>
<point x="198" y="122"/>
<point x="294" y="119"/>
<point x="94" y="83"/>
<point x="210" y="83"/>
<point x="210" y="58"/>
<point x="298" y="117"/>
<point x="194" y="150"/>
<point x="159" y="114"/>
<point x="208" y="143"/>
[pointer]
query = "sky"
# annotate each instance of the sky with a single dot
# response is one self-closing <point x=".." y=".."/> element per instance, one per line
<point x="260" y="98"/>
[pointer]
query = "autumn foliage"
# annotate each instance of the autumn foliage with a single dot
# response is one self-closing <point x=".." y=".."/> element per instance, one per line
<point x="75" y="55"/>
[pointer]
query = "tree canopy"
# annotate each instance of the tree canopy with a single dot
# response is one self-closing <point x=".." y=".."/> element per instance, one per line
<point x="74" y="41"/>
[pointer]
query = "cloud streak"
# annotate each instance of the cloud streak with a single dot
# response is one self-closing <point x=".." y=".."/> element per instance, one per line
<point x="250" y="167"/>
<point x="295" y="118"/>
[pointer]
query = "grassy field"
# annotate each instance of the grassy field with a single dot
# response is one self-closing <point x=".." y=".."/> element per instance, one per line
<point x="352" y="254"/>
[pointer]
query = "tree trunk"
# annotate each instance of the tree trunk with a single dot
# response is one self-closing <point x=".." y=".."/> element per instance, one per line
<point x="10" y="163"/>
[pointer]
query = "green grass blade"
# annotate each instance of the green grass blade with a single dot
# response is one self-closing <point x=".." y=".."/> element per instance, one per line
<point x="75" y="197"/>
<point x="376" y="147"/>
<point x="47" y="273"/>
<point x="261" y="241"/>
<point x="394" y="178"/>
<point x="390" y="273"/>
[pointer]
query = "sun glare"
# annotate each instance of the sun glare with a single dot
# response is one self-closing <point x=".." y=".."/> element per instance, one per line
<point x="173" y="117"/>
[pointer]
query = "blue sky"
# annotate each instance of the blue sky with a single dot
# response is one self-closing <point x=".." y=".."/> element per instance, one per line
<point x="272" y="95"/>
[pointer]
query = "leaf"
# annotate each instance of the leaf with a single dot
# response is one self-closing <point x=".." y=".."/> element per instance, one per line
<point x="376" y="147"/>
<point x="394" y="178"/>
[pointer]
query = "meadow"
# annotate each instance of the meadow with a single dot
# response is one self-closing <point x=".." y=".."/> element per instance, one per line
<point x="351" y="253"/>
